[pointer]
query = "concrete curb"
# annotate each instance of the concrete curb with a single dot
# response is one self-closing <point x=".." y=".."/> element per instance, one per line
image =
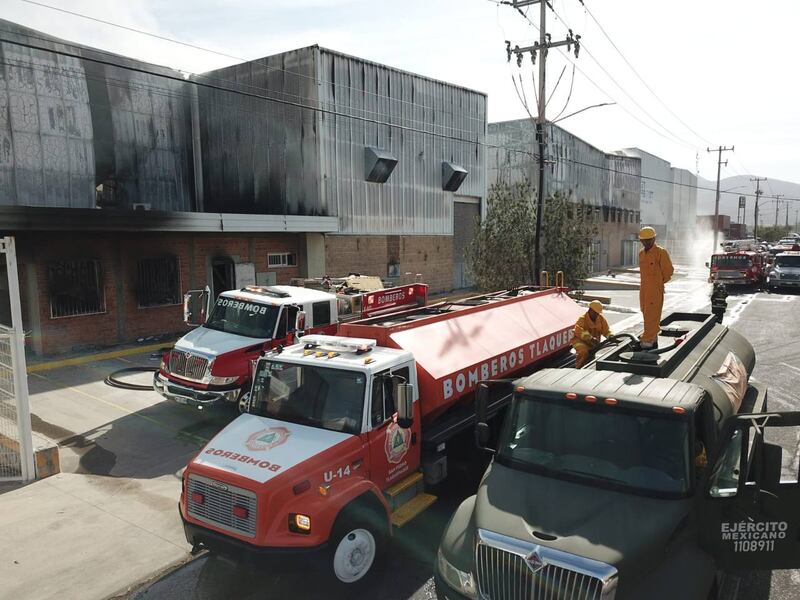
<point x="88" y="358"/>
<point x="45" y="454"/>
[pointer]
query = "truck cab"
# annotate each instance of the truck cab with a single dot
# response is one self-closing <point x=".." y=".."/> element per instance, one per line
<point x="785" y="271"/>
<point x="637" y="477"/>
<point x="211" y="365"/>
<point x="739" y="268"/>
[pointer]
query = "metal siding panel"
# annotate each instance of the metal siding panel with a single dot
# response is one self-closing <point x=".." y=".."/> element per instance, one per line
<point x="411" y="201"/>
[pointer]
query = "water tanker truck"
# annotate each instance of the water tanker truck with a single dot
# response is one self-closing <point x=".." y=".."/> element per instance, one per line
<point x="344" y="435"/>
<point x="642" y="475"/>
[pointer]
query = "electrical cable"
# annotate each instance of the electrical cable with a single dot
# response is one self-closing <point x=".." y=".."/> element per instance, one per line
<point x="112" y="380"/>
<point x="82" y="74"/>
<point x="261" y="61"/>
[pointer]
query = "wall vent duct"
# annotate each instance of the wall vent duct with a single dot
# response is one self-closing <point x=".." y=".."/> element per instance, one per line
<point x="379" y="164"/>
<point x="452" y="176"/>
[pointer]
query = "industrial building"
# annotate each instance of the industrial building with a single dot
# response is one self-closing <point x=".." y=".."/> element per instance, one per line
<point x="126" y="184"/>
<point x="609" y="183"/>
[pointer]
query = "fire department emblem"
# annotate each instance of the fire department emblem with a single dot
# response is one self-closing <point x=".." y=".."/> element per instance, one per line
<point x="534" y="562"/>
<point x="397" y="443"/>
<point x="267" y="439"/>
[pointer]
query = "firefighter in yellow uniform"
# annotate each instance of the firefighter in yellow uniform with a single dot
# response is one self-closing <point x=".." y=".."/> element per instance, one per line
<point x="589" y="328"/>
<point x="655" y="269"/>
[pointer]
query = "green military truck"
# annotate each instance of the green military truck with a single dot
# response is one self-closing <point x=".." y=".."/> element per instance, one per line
<point x="640" y="476"/>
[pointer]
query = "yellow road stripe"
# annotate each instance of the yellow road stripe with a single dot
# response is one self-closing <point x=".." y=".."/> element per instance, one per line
<point x="191" y="436"/>
<point x="82" y="360"/>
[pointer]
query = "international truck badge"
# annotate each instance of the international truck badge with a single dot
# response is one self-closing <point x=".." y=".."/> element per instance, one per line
<point x="534" y="562"/>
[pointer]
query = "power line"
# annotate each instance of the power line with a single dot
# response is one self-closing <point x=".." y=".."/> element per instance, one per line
<point x="601" y="90"/>
<point x="635" y="72"/>
<point x="622" y="89"/>
<point x="125" y="83"/>
<point x="261" y="61"/>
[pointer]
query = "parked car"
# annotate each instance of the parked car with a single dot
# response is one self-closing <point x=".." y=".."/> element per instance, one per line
<point x="785" y="271"/>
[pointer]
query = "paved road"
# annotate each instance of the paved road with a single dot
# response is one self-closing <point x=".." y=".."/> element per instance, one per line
<point x="123" y="429"/>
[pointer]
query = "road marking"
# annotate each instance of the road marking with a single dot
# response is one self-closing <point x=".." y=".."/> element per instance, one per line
<point x="82" y="360"/>
<point x="199" y="439"/>
<point x="791" y="367"/>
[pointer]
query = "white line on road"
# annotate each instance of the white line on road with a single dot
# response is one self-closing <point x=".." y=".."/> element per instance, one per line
<point x="791" y="367"/>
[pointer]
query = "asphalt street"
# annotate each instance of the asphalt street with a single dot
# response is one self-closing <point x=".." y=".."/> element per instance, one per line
<point x="125" y="436"/>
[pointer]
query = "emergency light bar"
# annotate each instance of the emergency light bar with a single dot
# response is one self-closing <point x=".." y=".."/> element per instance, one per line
<point x="342" y="344"/>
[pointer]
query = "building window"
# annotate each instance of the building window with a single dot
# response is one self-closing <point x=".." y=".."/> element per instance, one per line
<point x="282" y="259"/>
<point x="158" y="281"/>
<point x="75" y="288"/>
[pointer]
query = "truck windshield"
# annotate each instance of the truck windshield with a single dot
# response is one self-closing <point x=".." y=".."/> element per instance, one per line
<point x="599" y="445"/>
<point x="730" y="261"/>
<point x="243" y="318"/>
<point x="310" y="395"/>
<point x="788" y="261"/>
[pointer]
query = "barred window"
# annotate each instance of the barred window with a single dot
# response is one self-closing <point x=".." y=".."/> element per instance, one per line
<point x="158" y="281"/>
<point x="282" y="259"/>
<point x="75" y="288"/>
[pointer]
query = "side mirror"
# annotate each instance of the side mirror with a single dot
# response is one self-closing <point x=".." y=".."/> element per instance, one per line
<point x="300" y="323"/>
<point x="482" y="431"/>
<point x="195" y="307"/>
<point x="482" y="402"/>
<point x="707" y="265"/>
<point x="404" y="402"/>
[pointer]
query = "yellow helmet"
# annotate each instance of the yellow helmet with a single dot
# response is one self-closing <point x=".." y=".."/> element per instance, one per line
<point x="596" y="306"/>
<point x="647" y="233"/>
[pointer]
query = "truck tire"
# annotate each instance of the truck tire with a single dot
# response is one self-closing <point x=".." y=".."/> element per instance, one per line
<point x="356" y="545"/>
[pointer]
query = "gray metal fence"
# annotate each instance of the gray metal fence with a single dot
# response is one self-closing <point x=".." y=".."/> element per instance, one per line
<point x="16" y="445"/>
<point x="10" y="462"/>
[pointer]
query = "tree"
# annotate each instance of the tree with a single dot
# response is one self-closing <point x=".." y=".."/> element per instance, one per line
<point x="773" y="233"/>
<point x="501" y="253"/>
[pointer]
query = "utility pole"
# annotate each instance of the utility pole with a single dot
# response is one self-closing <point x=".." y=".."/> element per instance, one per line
<point x="541" y="48"/>
<point x="719" y="152"/>
<point x="758" y="181"/>
<point x="787" y="214"/>
<point x="777" y="206"/>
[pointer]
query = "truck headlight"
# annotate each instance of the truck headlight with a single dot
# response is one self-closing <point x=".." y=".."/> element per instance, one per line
<point x="165" y="362"/>
<point x="222" y="380"/>
<point x="774" y="275"/>
<point x="462" y="582"/>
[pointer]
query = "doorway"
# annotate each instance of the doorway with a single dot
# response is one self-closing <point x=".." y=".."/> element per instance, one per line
<point x="223" y="275"/>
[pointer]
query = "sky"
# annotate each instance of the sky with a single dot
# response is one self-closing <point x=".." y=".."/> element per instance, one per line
<point x="714" y="71"/>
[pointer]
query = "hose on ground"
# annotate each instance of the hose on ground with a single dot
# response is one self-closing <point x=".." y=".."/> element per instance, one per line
<point x="117" y="383"/>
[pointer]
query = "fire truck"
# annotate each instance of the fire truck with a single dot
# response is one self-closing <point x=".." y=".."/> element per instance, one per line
<point x="211" y="366"/>
<point x="344" y="435"/>
<point x="642" y="475"/>
<point x="742" y="267"/>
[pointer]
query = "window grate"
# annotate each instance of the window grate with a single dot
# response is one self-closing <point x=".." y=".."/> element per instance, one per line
<point x="75" y="288"/>
<point x="282" y="259"/>
<point x="158" y="282"/>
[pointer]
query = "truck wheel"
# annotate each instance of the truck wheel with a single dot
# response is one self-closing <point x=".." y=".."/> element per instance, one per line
<point x="355" y="549"/>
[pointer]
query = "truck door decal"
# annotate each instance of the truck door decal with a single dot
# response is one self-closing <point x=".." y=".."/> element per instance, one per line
<point x="397" y="443"/>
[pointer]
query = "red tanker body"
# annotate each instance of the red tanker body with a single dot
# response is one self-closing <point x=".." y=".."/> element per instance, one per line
<point x="342" y="434"/>
<point x="457" y="344"/>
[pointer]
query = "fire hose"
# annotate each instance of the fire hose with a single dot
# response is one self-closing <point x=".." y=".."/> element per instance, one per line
<point x="113" y="381"/>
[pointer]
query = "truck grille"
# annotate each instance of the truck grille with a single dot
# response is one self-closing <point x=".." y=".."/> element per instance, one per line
<point x="790" y="276"/>
<point x="510" y="569"/>
<point x="730" y="274"/>
<point x="187" y="365"/>
<point x="213" y="502"/>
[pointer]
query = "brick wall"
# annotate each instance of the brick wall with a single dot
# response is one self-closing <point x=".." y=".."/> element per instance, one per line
<point x="431" y="256"/>
<point x="123" y="319"/>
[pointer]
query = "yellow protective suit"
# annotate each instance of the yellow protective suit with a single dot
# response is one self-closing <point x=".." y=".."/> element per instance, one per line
<point x="655" y="268"/>
<point x="586" y="335"/>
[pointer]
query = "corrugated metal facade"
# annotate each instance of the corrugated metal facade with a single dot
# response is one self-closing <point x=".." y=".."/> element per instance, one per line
<point x="574" y="168"/>
<point x="622" y="182"/>
<point x="261" y="155"/>
<point x="68" y="124"/>
<point x="412" y="201"/>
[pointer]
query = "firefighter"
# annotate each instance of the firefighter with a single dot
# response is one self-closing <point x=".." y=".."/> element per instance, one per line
<point x="718" y="301"/>
<point x="589" y="328"/>
<point x="655" y="269"/>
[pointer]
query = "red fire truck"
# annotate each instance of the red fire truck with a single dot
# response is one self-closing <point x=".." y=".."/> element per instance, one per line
<point x="212" y="364"/>
<point x="342" y="434"/>
<point x="739" y="268"/>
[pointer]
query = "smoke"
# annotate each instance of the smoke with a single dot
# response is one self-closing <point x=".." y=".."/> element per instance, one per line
<point x="695" y="250"/>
